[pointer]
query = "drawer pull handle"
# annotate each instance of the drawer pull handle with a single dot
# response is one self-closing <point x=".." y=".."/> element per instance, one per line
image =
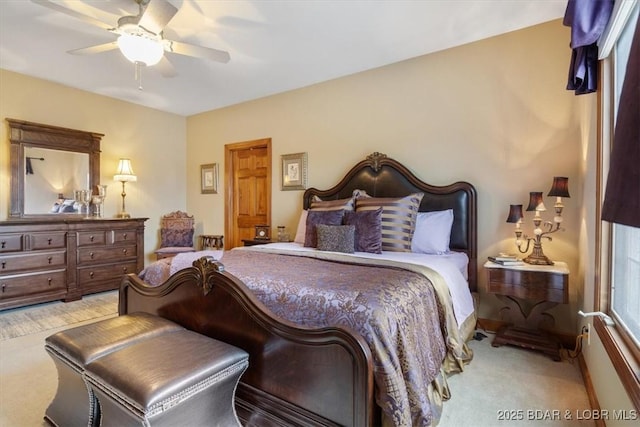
<point x="4" y="265"/>
<point x="125" y="269"/>
<point x="91" y="238"/>
<point x="91" y="274"/>
<point x="49" y="280"/>
<point x="49" y="259"/>
<point x="124" y="251"/>
<point x="49" y="241"/>
<point x="4" y="286"/>
<point x="91" y="255"/>
<point x="124" y="236"/>
<point x="3" y="244"/>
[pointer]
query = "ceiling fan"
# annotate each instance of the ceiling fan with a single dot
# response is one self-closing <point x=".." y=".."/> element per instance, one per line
<point x="140" y="37"/>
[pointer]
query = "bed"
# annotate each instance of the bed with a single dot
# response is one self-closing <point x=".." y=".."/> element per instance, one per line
<point x="328" y="344"/>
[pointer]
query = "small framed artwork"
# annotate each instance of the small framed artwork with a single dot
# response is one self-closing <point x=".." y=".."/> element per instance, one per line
<point x="209" y="178"/>
<point x="294" y="171"/>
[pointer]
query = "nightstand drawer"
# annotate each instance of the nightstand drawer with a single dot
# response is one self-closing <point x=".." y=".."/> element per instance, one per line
<point x="534" y="285"/>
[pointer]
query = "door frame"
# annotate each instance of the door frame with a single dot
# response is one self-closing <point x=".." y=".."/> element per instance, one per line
<point x="229" y="168"/>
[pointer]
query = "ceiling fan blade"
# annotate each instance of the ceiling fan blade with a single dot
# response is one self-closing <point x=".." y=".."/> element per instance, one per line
<point x="74" y="14"/>
<point x="94" y="49"/>
<point x="166" y="68"/>
<point x="196" y="51"/>
<point x="156" y="15"/>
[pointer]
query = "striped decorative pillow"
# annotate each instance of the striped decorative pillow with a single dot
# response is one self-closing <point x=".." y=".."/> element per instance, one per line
<point x="317" y="204"/>
<point x="398" y="219"/>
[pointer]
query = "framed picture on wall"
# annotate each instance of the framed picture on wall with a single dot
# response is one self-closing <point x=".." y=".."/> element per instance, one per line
<point x="294" y="171"/>
<point x="209" y="178"/>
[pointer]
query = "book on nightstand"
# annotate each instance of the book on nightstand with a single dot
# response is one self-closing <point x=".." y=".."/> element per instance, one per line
<point x="505" y="259"/>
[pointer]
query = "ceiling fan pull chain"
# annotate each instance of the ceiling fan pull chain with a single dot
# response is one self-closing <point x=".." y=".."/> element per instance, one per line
<point x="138" y="75"/>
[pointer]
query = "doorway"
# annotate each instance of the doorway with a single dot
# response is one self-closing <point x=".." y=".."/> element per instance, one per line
<point x="247" y="189"/>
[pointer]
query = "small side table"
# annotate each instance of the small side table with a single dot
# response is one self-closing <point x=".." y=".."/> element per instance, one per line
<point x="212" y="241"/>
<point x="544" y="287"/>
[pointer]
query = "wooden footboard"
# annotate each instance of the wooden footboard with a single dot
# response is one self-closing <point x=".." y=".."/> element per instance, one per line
<point x="296" y="375"/>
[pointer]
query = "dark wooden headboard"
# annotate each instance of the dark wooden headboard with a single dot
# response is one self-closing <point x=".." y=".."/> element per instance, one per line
<point x="381" y="176"/>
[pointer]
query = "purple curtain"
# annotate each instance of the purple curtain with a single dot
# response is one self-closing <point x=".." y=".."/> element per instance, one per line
<point x="622" y="196"/>
<point x="587" y="19"/>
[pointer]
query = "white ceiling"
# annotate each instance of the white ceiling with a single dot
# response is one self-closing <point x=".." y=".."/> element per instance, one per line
<point x="275" y="46"/>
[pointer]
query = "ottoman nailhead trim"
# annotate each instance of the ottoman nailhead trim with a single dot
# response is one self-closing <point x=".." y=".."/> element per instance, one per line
<point x="171" y="401"/>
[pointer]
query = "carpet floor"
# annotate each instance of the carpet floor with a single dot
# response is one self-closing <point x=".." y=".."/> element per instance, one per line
<point x="28" y="320"/>
<point x="500" y="383"/>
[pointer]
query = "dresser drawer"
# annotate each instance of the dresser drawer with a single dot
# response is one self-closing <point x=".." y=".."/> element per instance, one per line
<point x="32" y="260"/>
<point x="10" y="242"/>
<point x="30" y="284"/>
<point x="106" y="254"/>
<point x="48" y="240"/>
<point x="92" y="238"/>
<point x="88" y="275"/>
<point x="124" y="236"/>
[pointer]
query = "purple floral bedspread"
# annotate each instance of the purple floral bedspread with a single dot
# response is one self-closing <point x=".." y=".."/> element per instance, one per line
<point x="395" y="310"/>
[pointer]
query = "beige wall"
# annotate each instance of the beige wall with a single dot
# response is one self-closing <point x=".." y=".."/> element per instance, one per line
<point x="495" y="113"/>
<point x="155" y="141"/>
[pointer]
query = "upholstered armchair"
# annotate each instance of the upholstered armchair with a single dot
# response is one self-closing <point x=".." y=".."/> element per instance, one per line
<point x="176" y="234"/>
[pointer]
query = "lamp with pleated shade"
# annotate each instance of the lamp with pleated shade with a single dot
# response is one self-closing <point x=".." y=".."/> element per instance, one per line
<point x="124" y="174"/>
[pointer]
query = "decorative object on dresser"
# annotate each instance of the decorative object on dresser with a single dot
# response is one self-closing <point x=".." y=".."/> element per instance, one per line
<point x="545" y="286"/>
<point x="124" y="174"/>
<point x="176" y="234"/>
<point x="98" y="200"/>
<point x="49" y="259"/>
<point x="559" y="189"/>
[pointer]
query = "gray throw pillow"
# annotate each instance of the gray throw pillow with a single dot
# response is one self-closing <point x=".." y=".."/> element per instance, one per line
<point x="336" y="238"/>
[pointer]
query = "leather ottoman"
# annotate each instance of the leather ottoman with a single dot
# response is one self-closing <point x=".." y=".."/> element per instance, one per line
<point x="178" y="379"/>
<point x="72" y="349"/>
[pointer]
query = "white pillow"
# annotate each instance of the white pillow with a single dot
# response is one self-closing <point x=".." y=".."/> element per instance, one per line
<point x="433" y="232"/>
<point x="302" y="228"/>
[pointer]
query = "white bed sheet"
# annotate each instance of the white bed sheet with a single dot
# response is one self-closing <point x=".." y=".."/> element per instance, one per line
<point x="452" y="267"/>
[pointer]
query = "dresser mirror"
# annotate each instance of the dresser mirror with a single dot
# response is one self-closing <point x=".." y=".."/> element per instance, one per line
<point x="48" y="163"/>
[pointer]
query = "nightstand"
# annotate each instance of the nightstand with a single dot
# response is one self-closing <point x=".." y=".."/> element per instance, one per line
<point x="252" y="242"/>
<point x="528" y="292"/>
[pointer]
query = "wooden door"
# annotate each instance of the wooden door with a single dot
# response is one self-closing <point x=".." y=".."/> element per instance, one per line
<point x="248" y="189"/>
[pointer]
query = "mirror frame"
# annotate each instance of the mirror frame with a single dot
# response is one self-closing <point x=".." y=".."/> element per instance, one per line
<point x="28" y="134"/>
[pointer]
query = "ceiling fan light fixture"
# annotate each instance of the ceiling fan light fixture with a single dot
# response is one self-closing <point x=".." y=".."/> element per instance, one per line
<point x="140" y="49"/>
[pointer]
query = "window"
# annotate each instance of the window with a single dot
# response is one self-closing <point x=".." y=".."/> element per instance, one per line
<point x="619" y="295"/>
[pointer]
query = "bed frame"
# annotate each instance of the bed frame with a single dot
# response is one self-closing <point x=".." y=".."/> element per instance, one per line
<point x="296" y="375"/>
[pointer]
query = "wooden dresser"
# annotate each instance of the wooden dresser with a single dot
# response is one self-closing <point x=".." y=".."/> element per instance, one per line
<point x="51" y="259"/>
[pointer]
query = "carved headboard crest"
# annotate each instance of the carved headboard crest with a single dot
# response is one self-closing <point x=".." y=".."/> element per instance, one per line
<point x="375" y="158"/>
<point x="206" y="266"/>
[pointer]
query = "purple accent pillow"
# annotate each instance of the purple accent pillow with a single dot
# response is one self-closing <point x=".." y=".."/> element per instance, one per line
<point x="368" y="230"/>
<point x="320" y="217"/>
